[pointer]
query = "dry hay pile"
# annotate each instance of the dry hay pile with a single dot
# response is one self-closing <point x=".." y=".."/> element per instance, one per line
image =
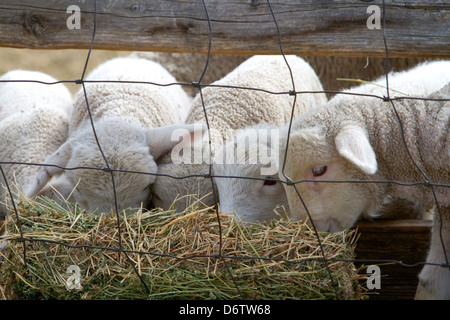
<point x="174" y="254"/>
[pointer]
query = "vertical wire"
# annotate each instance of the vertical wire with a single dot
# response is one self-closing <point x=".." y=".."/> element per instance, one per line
<point x="19" y="223"/>
<point x="107" y="168"/>
<point x="216" y="207"/>
<point x="322" y="250"/>
<point x="402" y="134"/>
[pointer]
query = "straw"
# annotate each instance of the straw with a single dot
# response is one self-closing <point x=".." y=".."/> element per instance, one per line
<point x="175" y="254"/>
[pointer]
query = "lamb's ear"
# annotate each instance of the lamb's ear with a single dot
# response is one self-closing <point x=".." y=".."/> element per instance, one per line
<point x="59" y="158"/>
<point x="58" y="189"/>
<point x="161" y="140"/>
<point x="353" y="144"/>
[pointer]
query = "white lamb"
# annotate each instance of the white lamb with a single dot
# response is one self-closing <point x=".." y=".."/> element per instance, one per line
<point x="358" y="138"/>
<point x="133" y="123"/>
<point x="250" y="158"/>
<point x="22" y="90"/>
<point x="231" y="109"/>
<point x="34" y="124"/>
<point x="187" y="67"/>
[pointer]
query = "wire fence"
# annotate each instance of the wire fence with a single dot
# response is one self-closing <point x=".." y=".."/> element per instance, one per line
<point x="199" y="85"/>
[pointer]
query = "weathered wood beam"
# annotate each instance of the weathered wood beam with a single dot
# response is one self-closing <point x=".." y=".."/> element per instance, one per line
<point x="406" y="241"/>
<point x="307" y="27"/>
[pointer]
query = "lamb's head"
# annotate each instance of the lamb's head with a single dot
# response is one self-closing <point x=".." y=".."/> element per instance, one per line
<point x="182" y="175"/>
<point x="318" y="154"/>
<point x="252" y="154"/>
<point x="130" y="151"/>
<point x="171" y="190"/>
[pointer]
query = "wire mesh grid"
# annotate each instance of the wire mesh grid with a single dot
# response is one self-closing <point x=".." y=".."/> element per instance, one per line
<point x="199" y="85"/>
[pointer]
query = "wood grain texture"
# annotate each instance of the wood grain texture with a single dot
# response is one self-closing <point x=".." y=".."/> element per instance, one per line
<point x="308" y="27"/>
<point x="404" y="240"/>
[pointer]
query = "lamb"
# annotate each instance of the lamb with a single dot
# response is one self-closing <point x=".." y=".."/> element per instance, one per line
<point x="231" y="109"/>
<point x="34" y="124"/>
<point x="358" y="138"/>
<point x="133" y="123"/>
<point x="22" y="90"/>
<point x="187" y="67"/>
<point x="250" y="157"/>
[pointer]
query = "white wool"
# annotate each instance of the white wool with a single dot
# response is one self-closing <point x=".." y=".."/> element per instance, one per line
<point x="361" y="140"/>
<point x="361" y="132"/>
<point x="33" y="124"/>
<point x="231" y="109"/>
<point x="23" y="90"/>
<point x="133" y="122"/>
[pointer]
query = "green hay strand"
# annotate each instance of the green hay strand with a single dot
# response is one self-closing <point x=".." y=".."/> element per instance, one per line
<point x="176" y="255"/>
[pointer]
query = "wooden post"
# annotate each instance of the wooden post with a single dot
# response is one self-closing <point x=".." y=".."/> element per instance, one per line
<point x="417" y="28"/>
<point x="403" y="240"/>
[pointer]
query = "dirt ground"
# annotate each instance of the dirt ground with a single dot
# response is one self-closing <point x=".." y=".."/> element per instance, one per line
<point x="61" y="64"/>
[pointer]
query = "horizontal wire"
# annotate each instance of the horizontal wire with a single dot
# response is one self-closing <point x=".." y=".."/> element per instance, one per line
<point x="219" y="256"/>
<point x="210" y="175"/>
<point x="217" y="176"/>
<point x="223" y="86"/>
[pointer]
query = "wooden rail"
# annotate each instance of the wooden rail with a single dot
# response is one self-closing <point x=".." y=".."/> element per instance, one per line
<point x="419" y="28"/>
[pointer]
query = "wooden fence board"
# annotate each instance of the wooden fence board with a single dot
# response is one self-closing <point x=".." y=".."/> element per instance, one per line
<point x="403" y="240"/>
<point x="307" y="27"/>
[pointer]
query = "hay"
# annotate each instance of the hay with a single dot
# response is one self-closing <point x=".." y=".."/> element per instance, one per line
<point x="174" y="254"/>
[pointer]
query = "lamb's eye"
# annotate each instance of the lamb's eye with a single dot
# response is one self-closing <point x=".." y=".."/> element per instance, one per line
<point x="270" y="181"/>
<point x="317" y="172"/>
